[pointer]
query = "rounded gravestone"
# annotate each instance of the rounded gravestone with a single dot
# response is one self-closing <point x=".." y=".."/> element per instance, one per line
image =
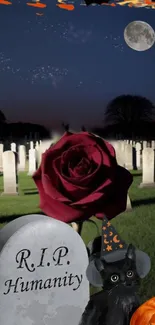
<point x="13" y="226"/>
<point x="43" y="280"/>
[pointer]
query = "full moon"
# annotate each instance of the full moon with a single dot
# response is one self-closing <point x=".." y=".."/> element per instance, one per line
<point x="139" y="36"/>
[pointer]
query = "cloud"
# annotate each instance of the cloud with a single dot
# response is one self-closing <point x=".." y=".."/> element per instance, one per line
<point x="65" y="6"/>
<point x="130" y="3"/>
<point x="5" y="2"/>
<point x="137" y="3"/>
<point x="37" y="5"/>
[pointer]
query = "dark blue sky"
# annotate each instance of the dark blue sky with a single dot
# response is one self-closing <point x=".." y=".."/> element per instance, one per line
<point x="66" y="65"/>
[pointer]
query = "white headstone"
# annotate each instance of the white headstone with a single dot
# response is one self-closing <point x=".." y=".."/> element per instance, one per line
<point x="153" y="144"/>
<point x="31" y="145"/>
<point x="148" y="168"/>
<point x="38" y="159"/>
<point x="43" y="273"/>
<point x="128" y="156"/>
<point x="138" y="155"/>
<point x="128" y="206"/>
<point x="32" y="161"/>
<point x="45" y="145"/>
<point x="1" y="156"/>
<point x="13" y="146"/>
<point x="38" y="156"/>
<point x="144" y="144"/>
<point x="22" y="158"/>
<point x="37" y="144"/>
<point x="122" y="146"/>
<point x="120" y="153"/>
<point x="9" y="173"/>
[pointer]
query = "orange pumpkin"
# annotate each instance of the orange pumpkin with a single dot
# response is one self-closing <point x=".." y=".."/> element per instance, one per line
<point x="152" y="320"/>
<point x="145" y="314"/>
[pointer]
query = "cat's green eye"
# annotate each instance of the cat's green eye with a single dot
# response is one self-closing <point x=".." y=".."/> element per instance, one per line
<point x="129" y="274"/>
<point x="114" y="278"/>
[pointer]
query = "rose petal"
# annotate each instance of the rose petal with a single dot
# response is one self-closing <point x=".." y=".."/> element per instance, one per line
<point x="116" y="203"/>
<point x="62" y="141"/>
<point x="57" y="209"/>
<point x="71" y="157"/>
<point x="93" y="196"/>
<point x="37" y="174"/>
<point x="70" y="139"/>
<point x="52" y="192"/>
<point x="109" y="181"/>
<point x="83" y="168"/>
<point x="91" y="178"/>
<point x="50" y="178"/>
<point x="52" y="153"/>
<point x="91" y="153"/>
<point x="48" y="186"/>
<point x="114" y="208"/>
<point x="56" y="149"/>
<point x="106" y="147"/>
<point x="74" y="192"/>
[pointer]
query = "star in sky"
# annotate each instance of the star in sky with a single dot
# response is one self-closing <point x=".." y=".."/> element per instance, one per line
<point x="37" y="75"/>
<point x="71" y="63"/>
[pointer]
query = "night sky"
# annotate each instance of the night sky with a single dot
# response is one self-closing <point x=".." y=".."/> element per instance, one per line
<point x="67" y="65"/>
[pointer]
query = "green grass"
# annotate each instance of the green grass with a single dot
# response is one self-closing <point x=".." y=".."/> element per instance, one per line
<point x="137" y="226"/>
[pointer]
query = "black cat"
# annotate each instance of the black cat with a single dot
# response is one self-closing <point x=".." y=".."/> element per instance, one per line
<point x="118" y="300"/>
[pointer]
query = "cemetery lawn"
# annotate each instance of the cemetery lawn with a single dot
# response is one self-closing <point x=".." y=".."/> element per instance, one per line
<point x="137" y="226"/>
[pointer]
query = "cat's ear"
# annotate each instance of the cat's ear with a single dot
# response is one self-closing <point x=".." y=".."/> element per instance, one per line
<point x="131" y="252"/>
<point x="99" y="264"/>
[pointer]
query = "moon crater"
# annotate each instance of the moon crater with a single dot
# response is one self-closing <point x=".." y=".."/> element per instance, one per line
<point x="139" y="35"/>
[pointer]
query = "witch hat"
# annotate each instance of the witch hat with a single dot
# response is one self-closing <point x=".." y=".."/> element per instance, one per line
<point x="111" y="248"/>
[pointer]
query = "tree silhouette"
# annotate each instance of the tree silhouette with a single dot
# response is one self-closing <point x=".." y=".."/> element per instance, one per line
<point x="2" y="117"/>
<point x="129" y="110"/>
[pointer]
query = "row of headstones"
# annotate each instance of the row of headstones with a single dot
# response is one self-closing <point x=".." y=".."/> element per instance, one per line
<point x="145" y="144"/>
<point x="127" y="156"/>
<point x="11" y="167"/>
<point x="34" y="155"/>
<point x="5" y="158"/>
<point x="10" y="174"/>
<point x="134" y="157"/>
<point x="127" y="146"/>
<point x="21" y="153"/>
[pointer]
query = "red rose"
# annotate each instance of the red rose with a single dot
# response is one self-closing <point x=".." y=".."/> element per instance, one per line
<point x="79" y="177"/>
